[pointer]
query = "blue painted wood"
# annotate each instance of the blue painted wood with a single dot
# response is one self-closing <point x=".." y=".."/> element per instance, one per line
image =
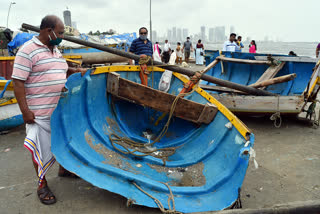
<point x="86" y="115"/>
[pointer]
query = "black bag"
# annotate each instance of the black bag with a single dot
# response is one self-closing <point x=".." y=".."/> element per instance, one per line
<point x="201" y="53"/>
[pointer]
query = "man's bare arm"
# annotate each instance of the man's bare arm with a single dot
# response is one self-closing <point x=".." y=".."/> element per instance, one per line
<point x="20" y="94"/>
<point x="72" y="70"/>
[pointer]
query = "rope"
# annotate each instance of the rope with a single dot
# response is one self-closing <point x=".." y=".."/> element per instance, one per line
<point x="276" y="116"/>
<point x="142" y="148"/>
<point x="171" y="210"/>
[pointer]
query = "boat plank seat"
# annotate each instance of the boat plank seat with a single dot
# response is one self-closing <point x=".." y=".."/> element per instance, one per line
<point x="270" y="73"/>
<point x="158" y="100"/>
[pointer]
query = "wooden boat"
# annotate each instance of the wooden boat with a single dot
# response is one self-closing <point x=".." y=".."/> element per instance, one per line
<point x="290" y="97"/>
<point x="106" y="126"/>
<point x="10" y="114"/>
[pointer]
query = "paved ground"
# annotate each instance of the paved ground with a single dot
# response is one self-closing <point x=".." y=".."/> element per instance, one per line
<point x="289" y="171"/>
<point x="289" y="159"/>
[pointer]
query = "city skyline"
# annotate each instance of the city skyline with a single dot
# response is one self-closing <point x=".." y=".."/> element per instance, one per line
<point x="256" y="22"/>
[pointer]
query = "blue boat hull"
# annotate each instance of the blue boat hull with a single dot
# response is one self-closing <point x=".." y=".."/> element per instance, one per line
<point x="11" y="122"/>
<point x="204" y="174"/>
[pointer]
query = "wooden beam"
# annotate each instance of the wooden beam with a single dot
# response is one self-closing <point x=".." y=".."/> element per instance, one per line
<point x="243" y="61"/>
<point x="211" y="65"/>
<point x="270" y="72"/>
<point x="289" y="59"/>
<point x="158" y="100"/>
<point x="219" y="89"/>
<point x="273" y="81"/>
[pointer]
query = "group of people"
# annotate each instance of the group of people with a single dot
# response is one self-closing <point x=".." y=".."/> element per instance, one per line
<point x="166" y="54"/>
<point x="169" y="55"/>
<point x="235" y="44"/>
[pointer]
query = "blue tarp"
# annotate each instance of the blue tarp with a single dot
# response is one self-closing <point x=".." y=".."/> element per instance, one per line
<point x="19" y="40"/>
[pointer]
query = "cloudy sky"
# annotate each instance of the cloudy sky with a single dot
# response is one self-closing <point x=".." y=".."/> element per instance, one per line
<point x="287" y="20"/>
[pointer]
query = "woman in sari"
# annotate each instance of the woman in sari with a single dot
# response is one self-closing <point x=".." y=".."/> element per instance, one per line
<point x="199" y="53"/>
<point x="156" y="52"/>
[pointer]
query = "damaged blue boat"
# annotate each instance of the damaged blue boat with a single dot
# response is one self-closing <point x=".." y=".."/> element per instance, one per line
<point x="109" y="130"/>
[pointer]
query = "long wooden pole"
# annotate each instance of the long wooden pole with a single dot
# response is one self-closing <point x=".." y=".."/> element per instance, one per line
<point x="273" y="81"/>
<point x="244" y="61"/>
<point x="225" y="83"/>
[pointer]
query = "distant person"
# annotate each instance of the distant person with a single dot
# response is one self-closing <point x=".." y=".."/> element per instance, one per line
<point x="291" y="53"/>
<point x="253" y="47"/>
<point x="231" y="45"/>
<point x="186" y="49"/>
<point x="141" y="45"/>
<point x="199" y="53"/>
<point x="173" y="58"/>
<point x="179" y="53"/>
<point x="157" y="52"/>
<point x="317" y="50"/>
<point x="166" y="51"/>
<point x="239" y="43"/>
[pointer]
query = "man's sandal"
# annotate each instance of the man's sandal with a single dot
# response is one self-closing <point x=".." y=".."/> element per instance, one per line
<point x="46" y="196"/>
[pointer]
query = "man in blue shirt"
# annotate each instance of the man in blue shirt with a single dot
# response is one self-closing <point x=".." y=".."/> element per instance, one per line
<point x="141" y="45"/>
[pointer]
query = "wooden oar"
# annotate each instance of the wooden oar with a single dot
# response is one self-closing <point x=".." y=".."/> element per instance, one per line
<point x="177" y="69"/>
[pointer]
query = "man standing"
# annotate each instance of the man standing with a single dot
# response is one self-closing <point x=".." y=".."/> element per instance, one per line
<point x="166" y="51"/>
<point x="187" y="47"/>
<point x="141" y="45"/>
<point x="317" y="50"/>
<point x="231" y="45"/>
<point x="39" y="75"/>
<point x="240" y="45"/>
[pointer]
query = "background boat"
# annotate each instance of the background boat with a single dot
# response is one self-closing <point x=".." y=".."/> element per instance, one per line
<point x="290" y="97"/>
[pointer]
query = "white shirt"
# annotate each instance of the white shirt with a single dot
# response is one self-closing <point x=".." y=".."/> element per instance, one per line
<point x="230" y="46"/>
<point x="166" y="47"/>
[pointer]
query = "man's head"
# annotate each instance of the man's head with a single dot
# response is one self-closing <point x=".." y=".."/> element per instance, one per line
<point x="232" y="37"/>
<point x="239" y="38"/>
<point x="188" y="38"/>
<point x="166" y="41"/>
<point x="143" y="33"/>
<point x="52" y="29"/>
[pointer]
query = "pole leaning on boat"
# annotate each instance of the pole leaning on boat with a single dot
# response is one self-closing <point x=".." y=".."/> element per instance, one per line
<point x="225" y="83"/>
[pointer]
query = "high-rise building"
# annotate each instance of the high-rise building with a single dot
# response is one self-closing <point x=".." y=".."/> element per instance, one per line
<point x="232" y="29"/>
<point x="211" y="34"/>
<point x="219" y="34"/>
<point x="154" y="36"/>
<point x="179" y="35"/>
<point x="67" y="18"/>
<point x="203" y="33"/>
<point x="174" y="34"/>
<point x="185" y="33"/>
<point x="169" y="35"/>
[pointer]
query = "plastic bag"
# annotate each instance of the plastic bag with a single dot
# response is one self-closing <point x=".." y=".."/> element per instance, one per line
<point x="165" y="80"/>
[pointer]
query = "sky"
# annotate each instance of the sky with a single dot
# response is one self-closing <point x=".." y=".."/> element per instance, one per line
<point x="285" y="20"/>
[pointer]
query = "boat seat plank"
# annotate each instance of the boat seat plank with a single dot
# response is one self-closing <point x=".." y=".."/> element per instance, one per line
<point x="158" y="100"/>
<point x="271" y="72"/>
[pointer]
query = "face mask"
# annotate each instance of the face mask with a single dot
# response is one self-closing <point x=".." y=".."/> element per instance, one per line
<point x="56" y="41"/>
<point x="143" y="37"/>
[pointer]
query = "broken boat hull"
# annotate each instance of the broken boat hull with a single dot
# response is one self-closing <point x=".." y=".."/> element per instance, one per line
<point x="205" y="173"/>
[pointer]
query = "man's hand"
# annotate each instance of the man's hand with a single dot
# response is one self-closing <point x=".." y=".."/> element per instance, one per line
<point x="82" y="71"/>
<point x="28" y="117"/>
